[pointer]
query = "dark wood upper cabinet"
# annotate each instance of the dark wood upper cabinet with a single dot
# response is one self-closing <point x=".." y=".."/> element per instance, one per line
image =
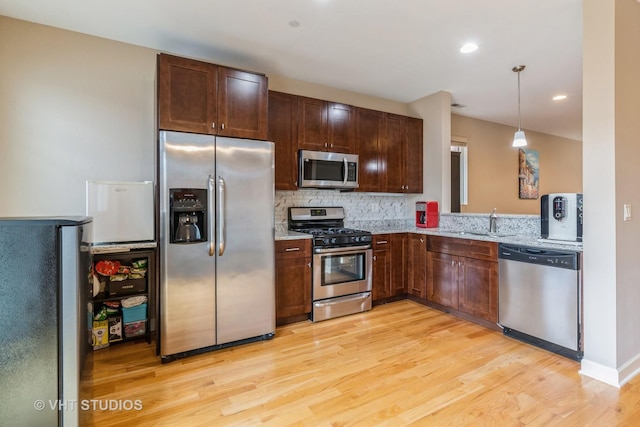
<point x="187" y="94"/>
<point x="312" y="124"/>
<point x="389" y="145"/>
<point x="368" y="144"/>
<point x="413" y="156"/>
<point x="394" y="142"/>
<point x="402" y="151"/>
<point x="242" y="104"/>
<point x="325" y="126"/>
<point x="283" y="131"/>
<point x="195" y="96"/>
<point x="340" y="128"/>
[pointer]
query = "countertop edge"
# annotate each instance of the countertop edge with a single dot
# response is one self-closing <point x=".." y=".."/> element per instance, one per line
<point x="521" y="240"/>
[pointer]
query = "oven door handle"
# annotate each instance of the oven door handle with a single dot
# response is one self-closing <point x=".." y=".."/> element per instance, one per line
<point x="352" y="249"/>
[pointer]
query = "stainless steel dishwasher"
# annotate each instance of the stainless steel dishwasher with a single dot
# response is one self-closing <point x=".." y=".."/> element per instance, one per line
<point x="540" y="298"/>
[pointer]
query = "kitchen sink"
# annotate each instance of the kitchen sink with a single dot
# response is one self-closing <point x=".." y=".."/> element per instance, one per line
<point x="481" y="233"/>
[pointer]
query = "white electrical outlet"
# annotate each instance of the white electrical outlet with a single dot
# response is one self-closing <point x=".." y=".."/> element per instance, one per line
<point x="627" y="211"/>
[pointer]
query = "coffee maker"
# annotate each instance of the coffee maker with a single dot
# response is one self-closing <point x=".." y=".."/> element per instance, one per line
<point x="188" y="215"/>
<point x="561" y="216"/>
<point x="427" y="214"/>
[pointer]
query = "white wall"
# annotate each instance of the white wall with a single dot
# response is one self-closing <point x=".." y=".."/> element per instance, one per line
<point x="72" y="107"/>
<point x="611" y="106"/>
<point x="435" y="111"/>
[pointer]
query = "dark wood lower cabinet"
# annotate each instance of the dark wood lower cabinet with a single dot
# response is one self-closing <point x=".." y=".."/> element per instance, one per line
<point x="399" y="258"/>
<point x="468" y="285"/>
<point x="478" y="288"/>
<point x="381" y="280"/>
<point x="293" y="281"/>
<point x="389" y="267"/>
<point x="417" y="266"/>
<point x="455" y="275"/>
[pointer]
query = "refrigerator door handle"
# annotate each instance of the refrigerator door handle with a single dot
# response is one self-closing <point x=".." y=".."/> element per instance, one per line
<point x="211" y="238"/>
<point x="221" y="212"/>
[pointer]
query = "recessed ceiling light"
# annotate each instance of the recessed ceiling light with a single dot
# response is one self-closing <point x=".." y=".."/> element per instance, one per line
<point x="559" y="97"/>
<point x="468" y="48"/>
<point x="294" y="24"/>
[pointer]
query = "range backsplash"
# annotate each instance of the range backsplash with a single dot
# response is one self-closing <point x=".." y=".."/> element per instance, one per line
<point x="357" y="206"/>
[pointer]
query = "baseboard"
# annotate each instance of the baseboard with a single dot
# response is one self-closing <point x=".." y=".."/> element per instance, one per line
<point x="630" y="369"/>
<point x="615" y="377"/>
<point x="599" y="372"/>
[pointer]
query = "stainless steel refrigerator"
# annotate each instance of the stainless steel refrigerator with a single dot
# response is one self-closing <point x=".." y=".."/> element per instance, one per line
<point x="216" y="209"/>
<point x="45" y="319"/>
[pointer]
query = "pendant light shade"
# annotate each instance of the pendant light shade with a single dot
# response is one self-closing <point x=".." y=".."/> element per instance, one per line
<point x="519" y="140"/>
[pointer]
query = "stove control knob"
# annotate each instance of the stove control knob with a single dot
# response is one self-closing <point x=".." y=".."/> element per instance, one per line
<point x="326" y="241"/>
<point x="357" y="239"/>
<point x="333" y="240"/>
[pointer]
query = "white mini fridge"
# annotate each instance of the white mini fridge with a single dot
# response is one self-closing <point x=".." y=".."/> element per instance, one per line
<point x="122" y="211"/>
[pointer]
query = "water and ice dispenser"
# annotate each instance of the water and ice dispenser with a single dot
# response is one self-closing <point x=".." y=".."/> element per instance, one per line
<point x="188" y="215"/>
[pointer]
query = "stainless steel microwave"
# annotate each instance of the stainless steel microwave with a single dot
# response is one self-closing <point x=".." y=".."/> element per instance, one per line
<point x="319" y="169"/>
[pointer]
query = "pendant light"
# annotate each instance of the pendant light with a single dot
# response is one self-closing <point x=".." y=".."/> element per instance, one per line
<point x="519" y="139"/>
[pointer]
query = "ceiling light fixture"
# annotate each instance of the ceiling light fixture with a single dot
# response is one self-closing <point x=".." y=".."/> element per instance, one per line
<point x="519" y="139"/>
<point x="468" y="48"/>
<point x="559" y="97"/>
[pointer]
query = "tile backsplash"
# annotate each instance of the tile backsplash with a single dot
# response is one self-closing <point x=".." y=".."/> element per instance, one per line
<point x="394" y="210"/>
<point x="357" y="206"/>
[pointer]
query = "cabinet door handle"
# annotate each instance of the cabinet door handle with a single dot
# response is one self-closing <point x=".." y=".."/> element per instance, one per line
<point x="222" y="126"/>
<point x="309" y="264"/>
<point x="375" y="257"/>
<point x="292" y="249"/>
<point x="213" y="125"/>
<point x="421" y="240"/>
<point x="332" y="144"/>
<point x="453" y="263"/>
<point x="326" y="145"/>
<point x="381" y="242"/>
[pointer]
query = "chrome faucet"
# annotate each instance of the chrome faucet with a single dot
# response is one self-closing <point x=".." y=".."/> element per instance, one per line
<point x="493" y="221"/>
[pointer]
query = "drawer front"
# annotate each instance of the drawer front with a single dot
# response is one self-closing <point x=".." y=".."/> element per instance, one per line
<point x="477" y="249"/>
<point x="293" y="248"/>
<point x="381" y="242"/>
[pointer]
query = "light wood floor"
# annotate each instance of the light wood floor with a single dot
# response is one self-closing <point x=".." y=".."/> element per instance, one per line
<point x="399" y="364"/>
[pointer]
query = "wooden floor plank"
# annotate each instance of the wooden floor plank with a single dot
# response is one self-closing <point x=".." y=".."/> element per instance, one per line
<point x="400" y="364"/>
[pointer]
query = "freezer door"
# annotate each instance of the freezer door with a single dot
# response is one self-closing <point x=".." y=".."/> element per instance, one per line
<point x="187" y="270"/>
<point x="245" y="239"/>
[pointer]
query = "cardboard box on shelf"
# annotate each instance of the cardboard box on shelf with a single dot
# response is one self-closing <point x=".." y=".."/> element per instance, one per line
<point x="100" y="334"/>
<point x="115" y="328"/>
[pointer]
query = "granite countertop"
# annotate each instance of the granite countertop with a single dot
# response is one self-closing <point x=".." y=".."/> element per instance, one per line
<point x="516" y="239"/>
<point x="291" y="235"/>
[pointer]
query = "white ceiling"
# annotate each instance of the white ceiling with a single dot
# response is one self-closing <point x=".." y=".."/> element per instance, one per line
<point x="400" y="50"/>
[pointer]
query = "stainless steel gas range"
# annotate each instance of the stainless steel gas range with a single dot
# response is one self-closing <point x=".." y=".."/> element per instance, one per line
<point x="342" y="262"/>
